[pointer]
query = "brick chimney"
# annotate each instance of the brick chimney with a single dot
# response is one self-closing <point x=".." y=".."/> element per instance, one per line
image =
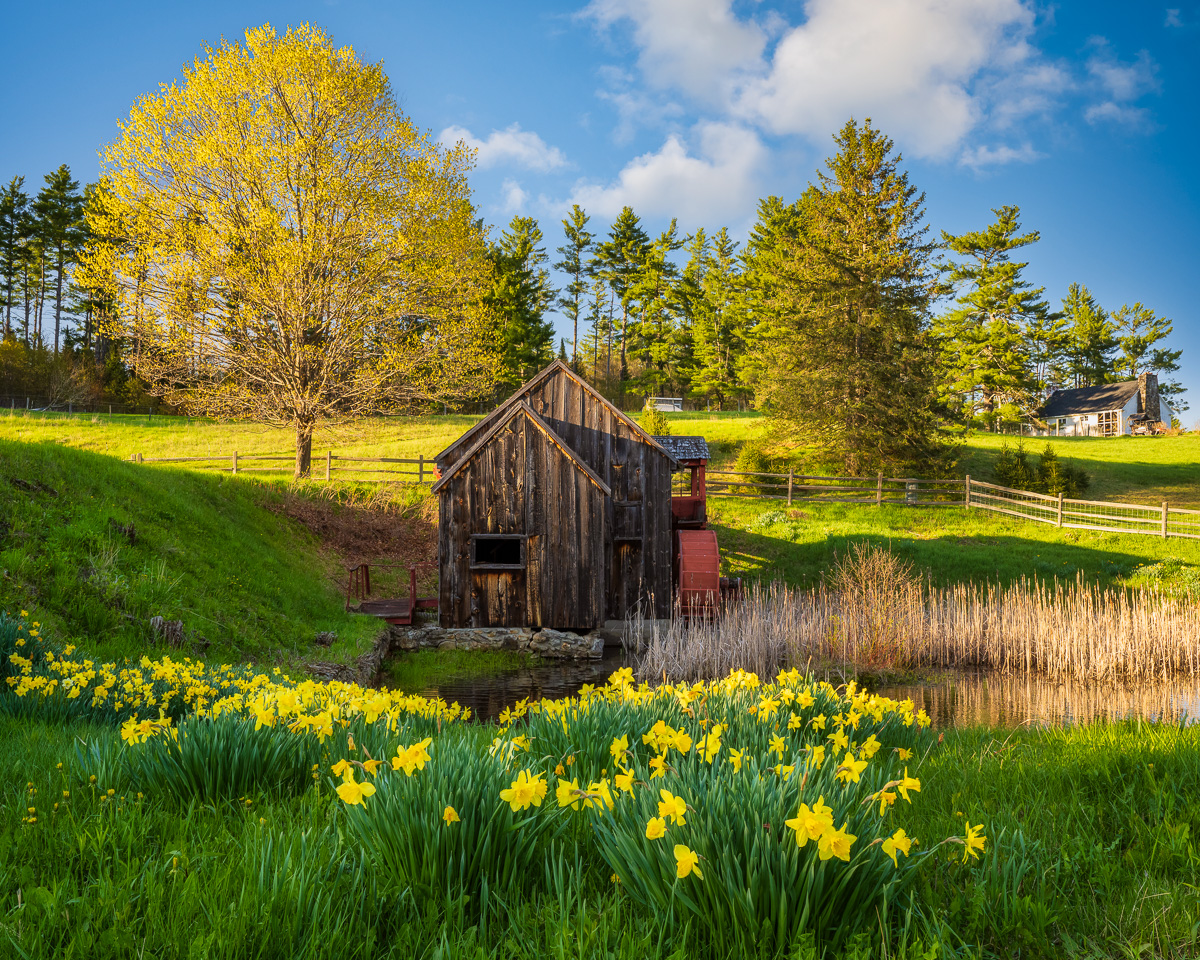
<point x="1148" y="396"/>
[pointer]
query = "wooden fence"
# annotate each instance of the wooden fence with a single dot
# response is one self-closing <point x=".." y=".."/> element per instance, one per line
<point x="791" y="487"/>
<point x="331" y="465"/>
<point x="1160" y="520"/>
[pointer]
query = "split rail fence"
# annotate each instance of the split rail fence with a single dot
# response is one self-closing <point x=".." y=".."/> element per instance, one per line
<point x="1161" y="520"/>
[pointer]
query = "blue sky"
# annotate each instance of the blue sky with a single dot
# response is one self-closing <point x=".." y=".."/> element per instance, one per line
<point x="1082" y="113"/>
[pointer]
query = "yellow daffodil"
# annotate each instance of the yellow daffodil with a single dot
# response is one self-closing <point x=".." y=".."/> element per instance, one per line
<point x="619" y="747"/>
<point x="735" y="757"/>
<point x="777" y="745"/>
<point x="869" y="748"/>
<point x="810" y="824"/>
<point x="836" y="843"/>
<point x="371" y="766"/>
<point x="450" y="815"/>
<point x="352" y="792"/>
<point x="710" y="744"/>
<point x="886" y="798"/>
<point x="673" y="807"/>
<point x="816" y="756"/>
<point x="686" y="862"/>
<point x="904" y="754"/>
<point x="656" y="828"/>
<point x="525" y="790"/>
<point x="599" y="796"/>
<point x="343" y="769"/>
<point x="568" y="794"/>
<point x="794" y="722"/>
<point x="623" y="781"/>
<point x="908" y="783"/>
<point x="850" y="769"/>
<point x="658" y="765"/>
<point x="839" y="740"/>
<point x="973" y="842"/>
<point x="897" y="842"/>
<point x="818" y="722"/>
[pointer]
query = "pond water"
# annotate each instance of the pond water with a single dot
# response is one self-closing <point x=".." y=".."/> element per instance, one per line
<point x="958" y="699"/>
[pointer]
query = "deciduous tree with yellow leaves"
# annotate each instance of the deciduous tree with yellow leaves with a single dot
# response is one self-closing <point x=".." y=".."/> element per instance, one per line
<point x="282" y="244"/>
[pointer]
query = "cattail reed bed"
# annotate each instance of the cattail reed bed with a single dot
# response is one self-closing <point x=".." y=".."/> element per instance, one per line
<point x="873" y="611"/>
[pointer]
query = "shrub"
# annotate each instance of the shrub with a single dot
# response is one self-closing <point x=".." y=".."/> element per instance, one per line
<point x="1050" y="476"/>
<point x="654" y="421"/>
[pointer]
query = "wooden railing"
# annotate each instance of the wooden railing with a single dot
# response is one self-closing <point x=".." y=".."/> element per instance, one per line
<point x="322" y="467"/>
<point x="792" y="487"/>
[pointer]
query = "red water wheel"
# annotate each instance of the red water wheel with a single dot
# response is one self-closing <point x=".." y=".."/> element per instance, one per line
<point x="698" y="561"/>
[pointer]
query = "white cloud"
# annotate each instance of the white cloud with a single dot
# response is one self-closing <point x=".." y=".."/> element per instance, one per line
<point x="509" y="147"/>
<point x="716" y="183"/>
<point x="1119" y="85"/>
<point x="983" y="156"/>
<point x="911" y="65"/>
<point x="514" y="197"/>
<point x="1173" y="18"/>
<point x="698" y="46"/>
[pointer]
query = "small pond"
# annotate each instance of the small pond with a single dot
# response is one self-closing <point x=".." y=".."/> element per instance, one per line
<point x="958" y="699"/>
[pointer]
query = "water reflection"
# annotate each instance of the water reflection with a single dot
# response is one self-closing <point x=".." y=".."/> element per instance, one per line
<point x="966" y="699"/>
<point x="961" y="699"/>
<point x="487" y="696"/>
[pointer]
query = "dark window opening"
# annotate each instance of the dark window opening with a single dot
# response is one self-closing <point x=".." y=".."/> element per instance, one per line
<point x="498" y="552"/>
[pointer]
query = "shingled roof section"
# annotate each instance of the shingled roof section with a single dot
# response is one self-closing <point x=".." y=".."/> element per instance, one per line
<point x="1109" y="396"/>
<point x="684" y="448"/>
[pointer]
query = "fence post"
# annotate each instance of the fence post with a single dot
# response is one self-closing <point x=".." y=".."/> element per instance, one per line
<point x="967" y="494"/>
<point x="140" y="458"/>
<point x="235" y="461"/>
<point x="1058" y="520"/>
<point x="328" y="464"/>
<point x="1164" y="519"/>
<point x="879" y="490"/>
<point x="421" y="468"/>
<point x="791" y="472"/>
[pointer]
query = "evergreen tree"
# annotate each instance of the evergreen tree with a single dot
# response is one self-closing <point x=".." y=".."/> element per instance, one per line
<point x="521" y="295"/>
<point x="574" y="265"/>
<point x="654" y="290"/>
<point x="1137" y="330"/>
<point x="59" y="212"/>
<point x="14" y="232"/>
<point x="763" y="260"/>
<point x="1091" y="338"/>
<point x="720" y="324"/>
<point x="618" y="261"/>
<point x="986" y="356"/>
<point x="850" y="365"/>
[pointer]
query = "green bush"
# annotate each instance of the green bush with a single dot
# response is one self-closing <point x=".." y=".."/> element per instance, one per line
<point x="1051" y="475"/>
<point x="654" y="421"/>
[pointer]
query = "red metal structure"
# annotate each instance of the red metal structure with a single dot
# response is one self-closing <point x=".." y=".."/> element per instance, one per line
<point x="399" y="611"/>
<point x="700" y="588"/>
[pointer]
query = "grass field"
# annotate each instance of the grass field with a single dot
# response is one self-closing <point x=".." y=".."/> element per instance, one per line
<point x="1091" y="853"/>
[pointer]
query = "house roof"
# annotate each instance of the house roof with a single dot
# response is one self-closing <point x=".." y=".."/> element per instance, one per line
<point x="522" y="409"/>
<point x="501" y="412"/>
<point x="1108" y="396"/>
<point x="684" y="448"/>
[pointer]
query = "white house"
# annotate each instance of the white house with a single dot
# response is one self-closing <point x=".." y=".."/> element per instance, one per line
<point x="1109" y="410"/>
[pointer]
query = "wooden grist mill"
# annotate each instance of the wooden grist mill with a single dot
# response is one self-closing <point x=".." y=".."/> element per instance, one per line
<point x="556" y="510"/>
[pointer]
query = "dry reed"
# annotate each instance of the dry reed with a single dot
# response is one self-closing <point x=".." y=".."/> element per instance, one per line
<point x="874" y="611"/>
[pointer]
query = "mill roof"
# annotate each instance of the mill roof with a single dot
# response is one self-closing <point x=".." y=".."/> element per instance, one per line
<point x="684" y="448"/>
<point x="1107" y="396"/>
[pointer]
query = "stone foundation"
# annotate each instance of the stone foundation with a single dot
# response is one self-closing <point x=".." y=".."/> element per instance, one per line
<point x="552" y="644"/>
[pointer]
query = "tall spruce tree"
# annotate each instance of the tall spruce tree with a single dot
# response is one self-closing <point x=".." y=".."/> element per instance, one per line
<point x="618" y="261"/>
<point x="1137" y="329"/>
<point x="850" y="365"/>
<point x="60" y="226"/>
<point x="521" y="295"/>
<point x="987" y="364"/>
<point x="14" y="232"/>
<point x="720" y="324"/>
<point x="1091" y="338"/>
<point x="656" y="343"/>
<point x="575" y="265"/>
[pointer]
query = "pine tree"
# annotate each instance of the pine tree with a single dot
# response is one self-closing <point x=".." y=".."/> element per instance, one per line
<point x="60" y="227"/>
<point x="521" y="295"/>
<point x="1091" y="341"/>
<point x="985" y="350"/>
<point x="618" y="261"/>
<point x="850" y="365"/>
<point x="720" y="324"/>
<point x="654" y="290"/>
<point x="574" y="265"/>
<point x="1137" y="329"/>
<point x="14" y="232"/>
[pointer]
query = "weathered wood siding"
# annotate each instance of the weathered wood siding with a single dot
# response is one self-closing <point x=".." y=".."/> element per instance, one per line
<point x="521" y="484"/>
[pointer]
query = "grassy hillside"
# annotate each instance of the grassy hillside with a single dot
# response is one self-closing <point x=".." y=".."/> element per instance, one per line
<point x="96" y="547"/>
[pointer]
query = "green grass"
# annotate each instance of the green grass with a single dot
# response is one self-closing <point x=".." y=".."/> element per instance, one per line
<point x="1091" y="853"/>
<point x="206" y="549"/>
<point x="952" y="544"/>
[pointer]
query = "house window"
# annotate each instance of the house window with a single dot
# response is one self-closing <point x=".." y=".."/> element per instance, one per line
<point x="1109" y="423"/>
<point x="491" y="551"/>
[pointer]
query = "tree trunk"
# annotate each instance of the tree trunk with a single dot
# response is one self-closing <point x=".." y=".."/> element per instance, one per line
<point x="304" y="432"/>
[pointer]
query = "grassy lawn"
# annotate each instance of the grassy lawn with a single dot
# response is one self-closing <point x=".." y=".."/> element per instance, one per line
<point x="762" y="541"/>
<point x="96" y="547"/>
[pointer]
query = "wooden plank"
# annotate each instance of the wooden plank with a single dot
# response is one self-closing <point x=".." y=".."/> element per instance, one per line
<point x="1014" y="513"/>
